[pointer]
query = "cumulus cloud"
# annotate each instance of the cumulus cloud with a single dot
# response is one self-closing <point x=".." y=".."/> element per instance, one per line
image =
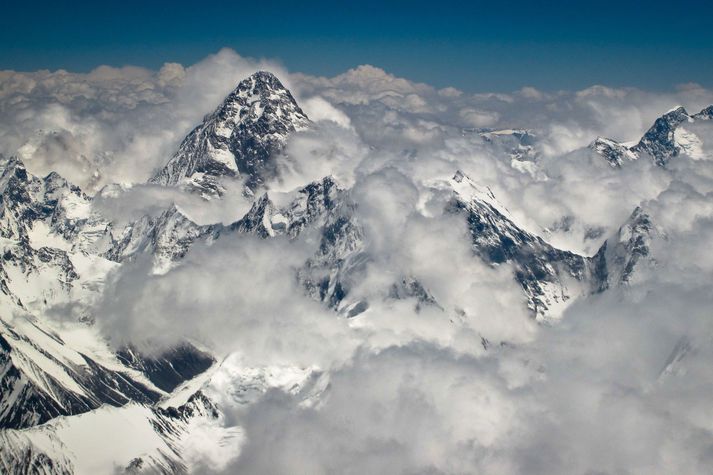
<point x="595" y="395"/>
<point x="318" y="109"/>
<point x="470" y="385"/>
<point x="206" y="298"/>
<point x="479" y="118"/>
<point x="123" y="204"/>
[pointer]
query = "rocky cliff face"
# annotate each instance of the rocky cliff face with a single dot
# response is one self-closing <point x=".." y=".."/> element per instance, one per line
<point x="548" y="276"/>
<point x="239" y="139"/>
<point x="666" y="139"/>
<point x="622" y="254"/>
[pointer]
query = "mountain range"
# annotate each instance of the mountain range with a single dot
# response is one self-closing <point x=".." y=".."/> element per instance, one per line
<point x="59" y="376"/>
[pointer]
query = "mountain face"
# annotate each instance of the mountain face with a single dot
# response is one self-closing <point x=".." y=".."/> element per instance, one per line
<point x="130" y="440"/>
<point x="170" y="368"/>
<point x="238" y="139"/>
<point x="54" y="260"/>
<point x="623" y="253"/>
<point x="59" y="377"/>
<point x="659" y="141"/>
<point x="50" y="202"/>
<point x="49" y="233"/>
<point x="666" y="139"/>
<point x="705" y="114"/>
<point x="340" y="257"/>
<point x="166" y="238"/>
<point x="517" y="144"/>
<point x="43" y="377"/>
<point x="614" y="152"/>
<point x="548" y="276"/>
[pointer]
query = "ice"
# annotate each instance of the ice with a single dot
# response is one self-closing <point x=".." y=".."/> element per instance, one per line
<point x="41" y="235"/>
<point x="109" y="437"/>
<point x="223" y="156"/>
<point x="689" y="143"/>
<point x="279" y="222"/>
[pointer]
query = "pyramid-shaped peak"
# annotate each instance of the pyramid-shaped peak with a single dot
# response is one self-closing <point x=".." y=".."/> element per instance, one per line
<point x="259" y="91"/>
<point x="678" y="112"/>
<point x="239" y="139"/>
<point x="671" y="119"/>
<point x="265" y="77"/>
<point x="260" y="83"/>
<point x="263" y="74"/>
<point x="659" y="141"/>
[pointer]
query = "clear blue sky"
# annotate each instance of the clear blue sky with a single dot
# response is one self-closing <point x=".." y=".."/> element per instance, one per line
<point x="475" y="46"/>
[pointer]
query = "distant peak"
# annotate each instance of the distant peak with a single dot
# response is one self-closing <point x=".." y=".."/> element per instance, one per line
<point x="672" y="118"/>
<point x="705" y="114"/>
<point x="659" y="141"/>
<point x="468" y="190"/>
<point x="11" y="162"/>
<point x="260" y="82"/>
<point x="603" y="140"/>
<point x="13" y="166"/>
<point x="676" y="111"/>
<point x="459" y="176"/>
<point x="239" y="138"/>
<point x="614" y="152"/>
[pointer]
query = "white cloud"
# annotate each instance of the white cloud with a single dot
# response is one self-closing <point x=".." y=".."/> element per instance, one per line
<point x="479" y="118"/>
<point x="318" y="109"/>
<point x="413" y="391"/>
<point x="529" y="92"/>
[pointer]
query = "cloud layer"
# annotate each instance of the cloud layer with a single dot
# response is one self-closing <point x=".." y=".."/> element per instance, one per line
<point x="620" y="385"/>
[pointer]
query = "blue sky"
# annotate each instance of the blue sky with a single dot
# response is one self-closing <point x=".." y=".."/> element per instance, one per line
<point x="475" y="46"/>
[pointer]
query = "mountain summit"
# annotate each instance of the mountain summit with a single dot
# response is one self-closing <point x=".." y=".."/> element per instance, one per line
<point x="238" y="138"/>
<point x="659" y="140"/>
<point x="667" y="138"/>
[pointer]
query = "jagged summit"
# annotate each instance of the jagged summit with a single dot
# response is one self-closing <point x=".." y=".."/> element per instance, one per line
<point x="705" y="114"/>
<point x="659" y="141"/>
<point x="25" y="198"/>
<point x="549" y="277"/>
<point x="614" y="152"/>
<point x="238" y="138"/>
<point x="666" y="138"/>
<point x="621" y="254"/>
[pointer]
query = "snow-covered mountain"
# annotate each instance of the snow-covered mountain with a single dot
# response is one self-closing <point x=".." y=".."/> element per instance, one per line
<point x="705" y="114"/>
<point x="518" y="144"/>
<point x="53" y="262"/>
<point x="238" y="139"/>
<point x="45" y="376"/>
<point x="49" y="235"/>
<point x="60" y="380"/>
<point x="548" y="276"/>
<point x="143" y="439"/>
<point x="623" y="253"/>
<point x="668" y="137"/>
<point x="614" y="152"/>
